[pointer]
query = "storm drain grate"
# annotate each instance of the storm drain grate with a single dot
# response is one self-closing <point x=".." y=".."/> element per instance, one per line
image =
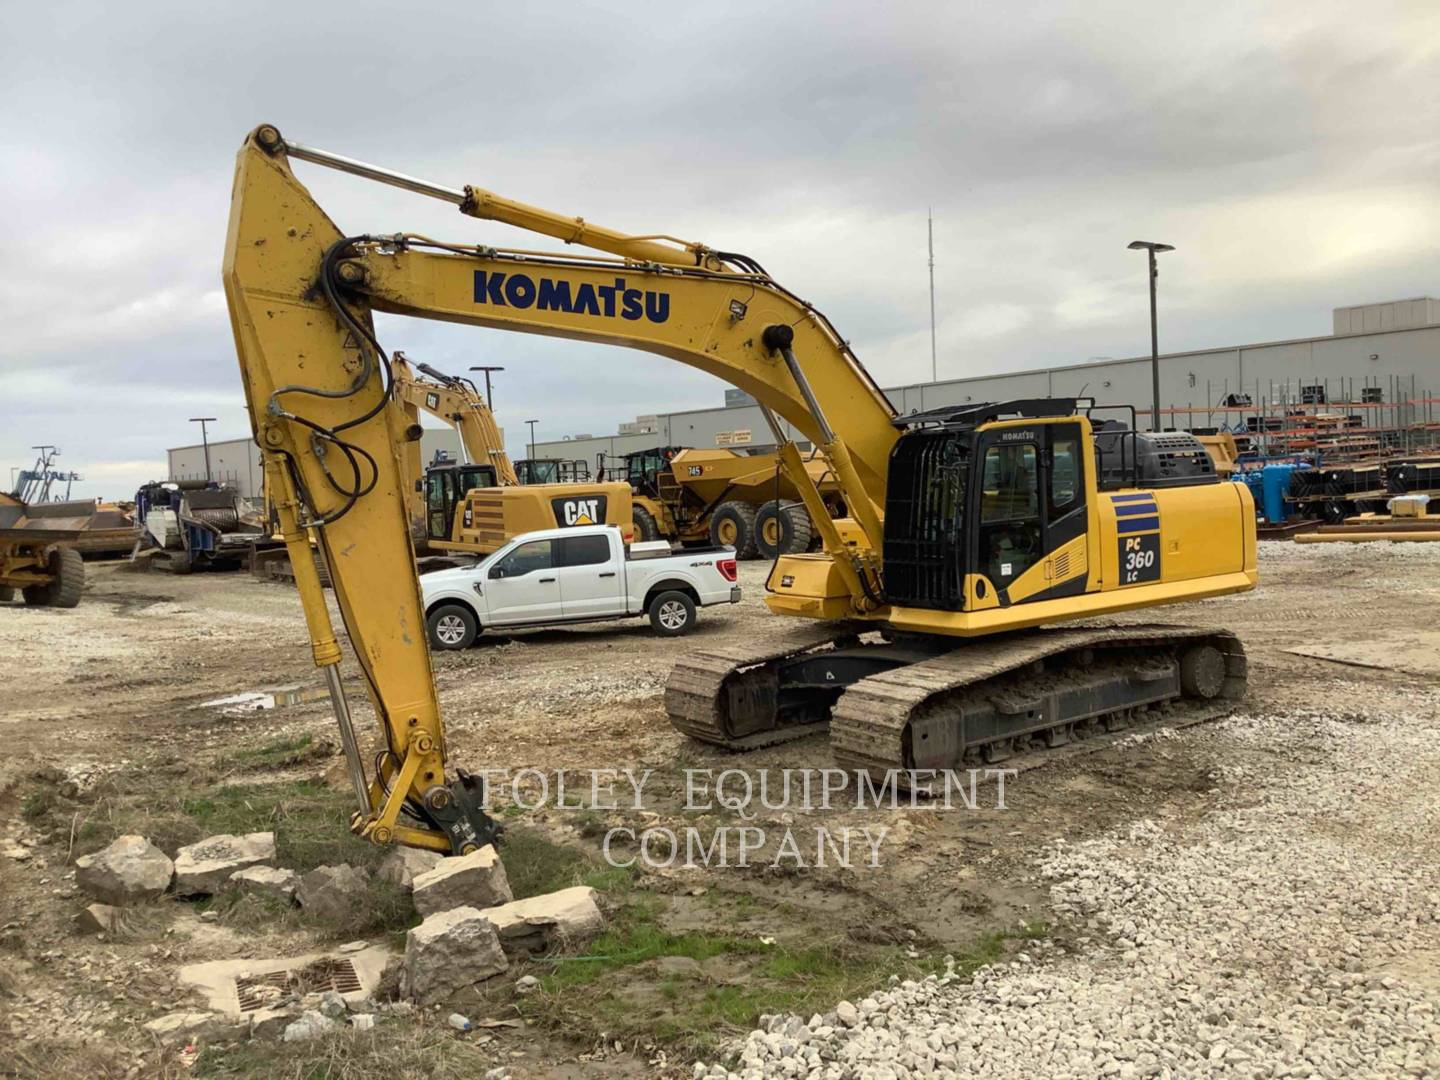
<point x="257" y="991"/>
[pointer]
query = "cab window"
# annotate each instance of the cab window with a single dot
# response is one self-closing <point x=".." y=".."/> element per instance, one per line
<point x="585" y="550"/>
<point x="527" y="558"/>
<point x="1064" y="476"/>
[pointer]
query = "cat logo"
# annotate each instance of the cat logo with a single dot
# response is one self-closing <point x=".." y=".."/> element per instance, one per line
<point x="432" y="401"/>
<point x="582" y="510"/>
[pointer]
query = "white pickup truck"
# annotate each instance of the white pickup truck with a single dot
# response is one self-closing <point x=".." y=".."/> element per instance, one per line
<point x="575" y="575"/>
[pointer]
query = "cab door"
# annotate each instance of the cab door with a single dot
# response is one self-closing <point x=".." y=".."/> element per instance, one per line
<point x="523" y="586"/>
<point x="439" y="503"/>
<point x="592" y="584"/>
<point x="1030" y="512"/>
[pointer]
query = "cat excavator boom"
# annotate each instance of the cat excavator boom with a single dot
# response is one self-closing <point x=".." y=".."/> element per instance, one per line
<point x="970" y="522"/>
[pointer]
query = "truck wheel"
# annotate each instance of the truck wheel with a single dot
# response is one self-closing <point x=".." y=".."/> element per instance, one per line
<point x="733" y="525"/>
<point x="672" y="614"/>
<point x="783" y="530"/>
<point x="68" y="570"/>
<point x="645" y="525"/>
<point x="452" y="626"/>
<point x="7" y="593"/>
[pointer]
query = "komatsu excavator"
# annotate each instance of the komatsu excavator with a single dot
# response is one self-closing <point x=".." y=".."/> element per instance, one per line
<point x="968" y="528"/>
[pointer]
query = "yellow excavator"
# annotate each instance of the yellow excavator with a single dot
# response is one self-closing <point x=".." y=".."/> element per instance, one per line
<point x="477" y="505"/>
<point x="978" y="522"/>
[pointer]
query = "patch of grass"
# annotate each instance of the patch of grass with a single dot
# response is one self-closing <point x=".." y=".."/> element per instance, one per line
<point x="393" y="1050"/>
<point x="536" y="865"/>
<point x="277" y="753"/>
<point x="39" y="803"/>
<point x="606" y="989"/>
<point x="61" y="1057"/>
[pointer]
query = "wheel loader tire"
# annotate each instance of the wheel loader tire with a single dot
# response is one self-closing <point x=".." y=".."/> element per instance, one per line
<point x="64" y="591"/>
<point x="646" y="528"/>
<point x="7" y="593"/>
<point x="782" y="529"/>
<point x="733" y="525"/>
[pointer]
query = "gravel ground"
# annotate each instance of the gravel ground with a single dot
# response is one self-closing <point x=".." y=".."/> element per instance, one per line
<point x="1294" y="931"/>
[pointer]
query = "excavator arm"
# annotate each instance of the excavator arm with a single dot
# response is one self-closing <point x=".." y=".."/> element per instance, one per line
<point x="333" y="426"/>
<point x="457" y="402"/>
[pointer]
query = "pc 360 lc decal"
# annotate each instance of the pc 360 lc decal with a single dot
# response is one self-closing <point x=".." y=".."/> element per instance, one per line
<point x="586" y="510"/>
<point x="547" y="294"/>
<point x="1137" y="523"/>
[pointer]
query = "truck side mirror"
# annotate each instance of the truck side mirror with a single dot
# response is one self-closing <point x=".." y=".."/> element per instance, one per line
<point x="497" y="572"/>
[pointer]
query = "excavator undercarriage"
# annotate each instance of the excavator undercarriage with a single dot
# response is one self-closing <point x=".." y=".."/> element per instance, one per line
<point x="908" y="702"/>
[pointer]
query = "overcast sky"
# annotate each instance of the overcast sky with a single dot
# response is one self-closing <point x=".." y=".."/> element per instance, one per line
<point x="1288" y="149"/>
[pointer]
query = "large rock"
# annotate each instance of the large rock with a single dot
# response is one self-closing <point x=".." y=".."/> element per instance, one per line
<point x="310" y="1025"/>
<point x="277" y="883"/>
<point x="450" y="951"/>
<point x="129" y="871"/>
<point x="402" y="865"/>
<point x="332" y="892"/>
<point x="474" y="880"/>
<point x="101" y="919"/>
<point x="540" y="922"/>
<point x="200" y="869"/>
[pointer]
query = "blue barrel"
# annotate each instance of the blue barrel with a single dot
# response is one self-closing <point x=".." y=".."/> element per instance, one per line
<point x="1274" y="490"/>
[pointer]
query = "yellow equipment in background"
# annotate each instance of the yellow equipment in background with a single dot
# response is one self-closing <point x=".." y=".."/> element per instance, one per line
<point x="961" y="523"/>
<point x="1222" y="450"/>
<point x="477" y="505"/>
<point x="726" y="497"/>
<point x="38" y="557"/>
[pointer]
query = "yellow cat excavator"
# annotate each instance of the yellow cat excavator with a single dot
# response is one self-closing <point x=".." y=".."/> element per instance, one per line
<point x="477" y="505"/>
<point x="977" y="522"/>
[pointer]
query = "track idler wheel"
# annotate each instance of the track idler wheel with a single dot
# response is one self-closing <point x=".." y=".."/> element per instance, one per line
<point x="1202" y="671"/>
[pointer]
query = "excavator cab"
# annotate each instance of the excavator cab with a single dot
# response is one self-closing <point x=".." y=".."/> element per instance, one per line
<point x="445" y="488"/>
<point x="998" y="505"/>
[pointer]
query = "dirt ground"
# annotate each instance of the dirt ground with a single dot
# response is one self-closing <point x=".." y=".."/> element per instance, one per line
<point x="102" y="715"/>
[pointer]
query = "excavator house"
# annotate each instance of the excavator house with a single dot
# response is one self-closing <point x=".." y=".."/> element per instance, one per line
<point x="930" y="610"/>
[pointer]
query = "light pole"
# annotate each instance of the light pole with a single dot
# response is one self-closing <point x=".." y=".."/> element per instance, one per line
<point x="1153" y="249"/>
<point x="532" y="424"/>
<point x="204" y="440"/>
<point x="487" y="370"/>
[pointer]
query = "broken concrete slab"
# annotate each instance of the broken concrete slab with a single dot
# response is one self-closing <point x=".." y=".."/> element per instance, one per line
<point x="278" y="883"/>
<point x="332" y="892"/>
<point x="192" y="1026"/>
<point x="476" y="880"/>
<point x="542" y="922"/>
<point x="100" y="919"/>
<point x="129" y="871"/>
<point x="217" y="980"/>
<point x="450" y="951"/>
<point x="200" y="869"/>
<point x="402" y="865"/>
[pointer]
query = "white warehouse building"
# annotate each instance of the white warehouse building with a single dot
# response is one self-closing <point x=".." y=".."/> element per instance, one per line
<point x="237" y="461"/>
<point x="1386" y="352"/>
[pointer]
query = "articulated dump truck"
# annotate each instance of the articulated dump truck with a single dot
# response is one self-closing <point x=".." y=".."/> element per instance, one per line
<point x="38" y="557"/>
<point x="724" y="497"/>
